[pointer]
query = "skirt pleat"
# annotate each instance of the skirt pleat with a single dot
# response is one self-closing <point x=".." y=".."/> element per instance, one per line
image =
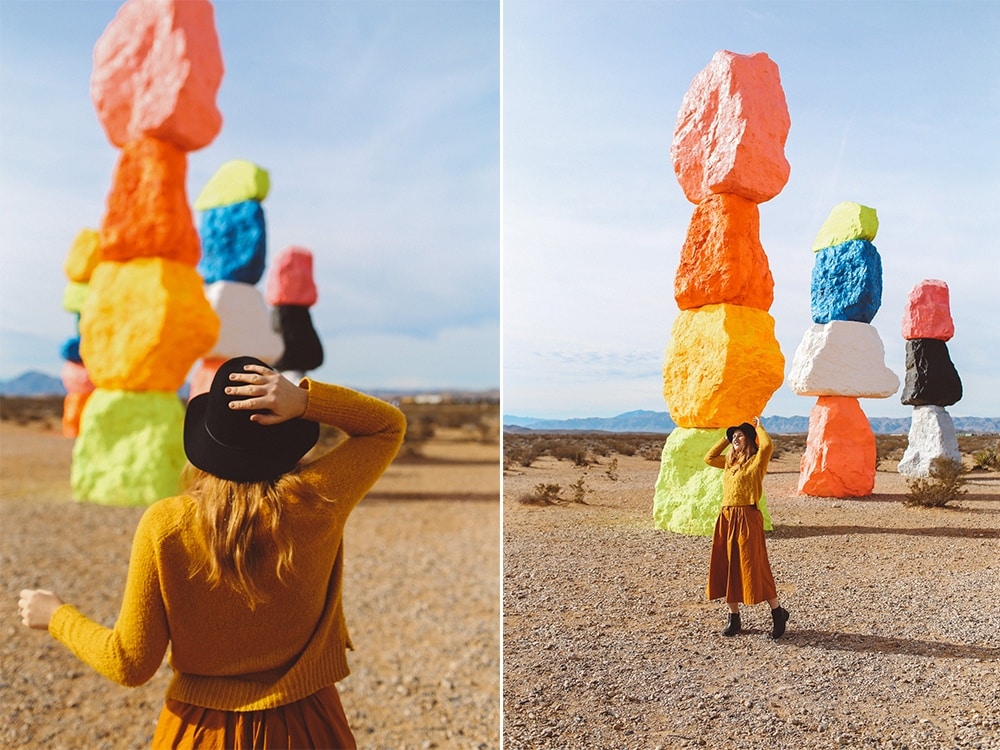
<point x="739" y="570"/>
<point x="313" y="723"/>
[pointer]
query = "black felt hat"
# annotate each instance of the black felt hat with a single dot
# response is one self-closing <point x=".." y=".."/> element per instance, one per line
<point x="747" y="429"/>
<point x="224" y="442"/>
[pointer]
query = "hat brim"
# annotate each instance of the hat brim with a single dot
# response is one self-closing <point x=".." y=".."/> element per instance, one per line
<point x="288" y="442"/>
<point x="746" y="428"/>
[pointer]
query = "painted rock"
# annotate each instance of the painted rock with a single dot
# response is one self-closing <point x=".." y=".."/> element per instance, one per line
<point x="130" y="450"/>
<point x="74" y="295"/>
<point x="846" y="283"/>
<point x="731" y="130"/>
<point x="688" y="492"/>
<point x="70" y="350"/>
<point x="722" y="259"/>
<point x="234" y="182"/>
<point x="148" y="215"/>
<point x="303" y="349"/>
<point x="75" y="378"/>
<point x="932" y="435"/>
<point x="144" y="325"/>
<point x="840" y="455"/>
<point x="73" y="405"/>
<point x="204" y="372"/>
<point x="842" y="358"/>
<point x="290" y="278"/>
<point x="722" y="365"/>
<point x="246" y="328"/>
<point x="157" y="70"/>
<point x="927" y="314"/>
<point x="931" y="377"/>
<point x="233" y="243"/>
<point x="847" y="221"/>
<point x="84" y="254"/>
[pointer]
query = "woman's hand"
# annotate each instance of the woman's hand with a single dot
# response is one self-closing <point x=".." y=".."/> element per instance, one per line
<point x="267" y="390"/>
<point x="36" y="607"/>
<point x="755" y="422"/>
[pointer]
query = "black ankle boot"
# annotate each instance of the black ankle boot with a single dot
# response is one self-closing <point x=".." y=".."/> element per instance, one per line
<point x="733" y="625"/>
<point x="779" y="615"/>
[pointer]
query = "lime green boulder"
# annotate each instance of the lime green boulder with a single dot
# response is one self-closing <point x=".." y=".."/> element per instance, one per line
<point x="235" y="181"/>
<point x="130" y="450"/>
<point x="847" y="221"/>
<point x="688" y="492"/>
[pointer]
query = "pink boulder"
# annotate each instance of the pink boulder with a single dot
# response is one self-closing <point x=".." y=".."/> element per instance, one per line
<point x="290" y="280"/>
<point x="722" y="259"/>
<point x="157" y="69"/>
<point x="839" y="460"/>
<point x="927" y="314"/>
<point x="75" y="378"/>
<point x="731" y="130"/>
<point x="204" y="373"/>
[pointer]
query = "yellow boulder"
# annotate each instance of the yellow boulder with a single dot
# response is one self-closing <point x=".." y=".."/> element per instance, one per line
<point x="84" y="255"/>
<point x="722" y="365"/>
<point x="144" y="324"/>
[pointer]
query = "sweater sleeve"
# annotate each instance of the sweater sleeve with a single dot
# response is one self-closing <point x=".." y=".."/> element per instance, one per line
<point x="375" y="431"/>
<point x="714" y="457"/>
<point x="765" y="446"/>
<point x="131" y="651"/>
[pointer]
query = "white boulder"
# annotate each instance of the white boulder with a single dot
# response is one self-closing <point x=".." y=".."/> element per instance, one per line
<point x="932" y="435"/>
<point x="842" y="358"/>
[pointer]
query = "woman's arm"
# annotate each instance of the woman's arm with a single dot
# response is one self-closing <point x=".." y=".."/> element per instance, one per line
<point x="714" y="457"/>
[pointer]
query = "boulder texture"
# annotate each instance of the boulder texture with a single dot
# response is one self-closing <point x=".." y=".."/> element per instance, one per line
<point x="722" y="365"/>
<point x="847" y="221"/>
<point x="840" y="455"/>
<point x="731" y="130"/>
<point x="144" y="325"/>
<point x="157" y="69"/>
<point x="130" y="450"/>
<point x="723" y="362"/>
<point x="722" y="259"/>
<point x="235" y="181"/>
<point x="78" y="387"/>
<point x="84" y="255"/>
<point x="245" y="323"/>
<point x="932" y="436"/>
<point x="74" y="296"/>
<point x="148" y="215"/>
<point x="846" y="282"/>
<point x="688" y="491"/>
<point x="233" y="243"/>
<point x="842" y="358"/>
<point x="290" y="278"/>
<point x="931" y="377"/>
<point x="927" y="314"/>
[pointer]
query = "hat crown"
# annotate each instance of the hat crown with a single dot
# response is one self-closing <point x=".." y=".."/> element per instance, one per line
<point x="233" y="427"/>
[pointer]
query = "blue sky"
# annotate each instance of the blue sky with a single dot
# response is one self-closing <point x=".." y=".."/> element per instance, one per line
<point x="895" y="105"/>
<point x="379" y="125"/>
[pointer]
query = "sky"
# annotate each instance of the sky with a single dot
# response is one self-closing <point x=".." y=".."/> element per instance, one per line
<point x="379" y="125"/>
<point x="894" y="105"/>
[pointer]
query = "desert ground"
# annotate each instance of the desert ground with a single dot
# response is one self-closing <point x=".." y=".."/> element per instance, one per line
<point x="609" y="642"/>
<point x="422" y="593"/>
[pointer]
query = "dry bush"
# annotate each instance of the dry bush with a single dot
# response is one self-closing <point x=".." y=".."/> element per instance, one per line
<point x="944" y="484"/>
<point x="987" y="459"/>
<point x="542" y="494"/>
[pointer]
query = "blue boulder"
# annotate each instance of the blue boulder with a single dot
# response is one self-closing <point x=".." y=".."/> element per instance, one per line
<point x="70" y="350"/>
<point x="846" y="283"/>
<point x="233" y="243"/>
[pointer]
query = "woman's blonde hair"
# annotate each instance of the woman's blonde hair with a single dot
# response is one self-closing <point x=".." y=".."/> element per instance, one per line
<point x="242" y="529"/>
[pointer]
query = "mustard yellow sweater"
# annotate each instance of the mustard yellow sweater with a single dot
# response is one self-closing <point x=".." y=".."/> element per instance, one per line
<point x="745" y="485"/>
<point x="225" y="655"/>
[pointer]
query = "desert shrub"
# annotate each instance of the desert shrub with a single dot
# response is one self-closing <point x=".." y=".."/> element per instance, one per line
<point x="579" y="491"/>
<point x="624" y="447"/>
<point x="542" y="494"/>
<point x="521" y="455"/>
<point x="570" y="452"/>
<point x="612" y="470"/>
<point x="945" y="483"/>
<point x="987" y="458"/>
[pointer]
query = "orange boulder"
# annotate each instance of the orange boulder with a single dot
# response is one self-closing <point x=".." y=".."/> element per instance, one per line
<point x="722" y="259"/>
<point x="72" y="410"/>
<point x="144" y="324"/>
<point x="148" y="214"/>
<point x="839" y="460"/>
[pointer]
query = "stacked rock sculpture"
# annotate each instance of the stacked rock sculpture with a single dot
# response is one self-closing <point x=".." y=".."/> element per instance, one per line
<point x="723" y="361"/>
<point x="932" y="382"/>
<point x="145" y="320"/>
<point x="291" y="291"/>
<point x="80" y="262"/>
<point x="841" y="357"/>
<point x="234" y="254"/>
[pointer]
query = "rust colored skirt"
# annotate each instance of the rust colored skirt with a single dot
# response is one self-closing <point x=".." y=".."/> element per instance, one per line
<point x="739" y="570"/>
<point x="317" y="721"/>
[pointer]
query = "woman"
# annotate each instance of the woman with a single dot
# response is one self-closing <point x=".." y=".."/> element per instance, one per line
<point x="242" y="573"/>
<point x="739" y="569"/>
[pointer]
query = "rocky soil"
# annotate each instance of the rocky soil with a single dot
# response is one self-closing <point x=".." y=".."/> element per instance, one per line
<point x="608" y="641"/>
<point x="422" y="598"/>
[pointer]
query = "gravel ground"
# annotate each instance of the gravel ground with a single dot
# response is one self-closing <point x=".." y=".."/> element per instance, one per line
<point x="421" y="598"/>
<point x="608" y="642"/>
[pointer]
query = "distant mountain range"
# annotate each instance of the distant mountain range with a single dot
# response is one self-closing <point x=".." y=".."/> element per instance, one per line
<point x="660" y="422"/>
<point x="33" y="383"/>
